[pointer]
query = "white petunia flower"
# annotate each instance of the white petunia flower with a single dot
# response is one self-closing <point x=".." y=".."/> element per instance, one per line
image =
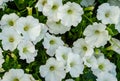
<point x="96" y="35"/>
<point x="53" y="70"/>
<point x="90" y="61"/>
<point x="108" y="14"/>
<point x="42" y="34"/>
<point x="15" y="75"/>
<point x="87" y="3"/>
<point x="82" y="48"/>
<point x="27" y="51"/>
<point x="106" y="77"/>
<point x="29" y="27"/>
<point x="115" y="45"/>
<point x="1" y="59"/>
<point x="51" y="43"/>
<point x="57" y="27"/>
<point x="70" y="14"/>
<point x="40" y="4"/>
<point x="10" y="39"/>
<point x="8" y="20"/>
<point x="104" y="65"/>
<point x="51" y="9"/>
<point x="74" y="65"/>
<point x="62" y="53"/>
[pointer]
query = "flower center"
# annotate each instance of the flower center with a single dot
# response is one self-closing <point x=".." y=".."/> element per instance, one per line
<point x="84" y="48"/>
<point x="64" y="57"/>
<point x="26" y="28"/>
<point x="44" y="2"/>
<point x="101" y="66"/>
<point x="16" y="79"/>
<point x="11" y="39"/>
<point x="58" y="22"/>
<point x="25" y="50"/>
<point x="54" y="7"/>
<point x="52" y="68"/>
<point x="11" y="23"/>
<point x="107" y="14"/>
<point x="88" y="60"/>
<point x="72" y="64"/>
<point x="52" y="42"/>
<point x="69" y="11"/>
<point x="97" y="32"/>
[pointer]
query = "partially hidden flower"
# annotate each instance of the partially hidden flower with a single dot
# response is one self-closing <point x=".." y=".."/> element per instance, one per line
<point x="115" y="45"/>
<point x="15" y="75"/>
<point x="108" y="14"/>
<point x="56" y="27"/>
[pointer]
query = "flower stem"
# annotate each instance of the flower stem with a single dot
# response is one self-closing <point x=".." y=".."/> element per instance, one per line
<point x="88" y="18"/>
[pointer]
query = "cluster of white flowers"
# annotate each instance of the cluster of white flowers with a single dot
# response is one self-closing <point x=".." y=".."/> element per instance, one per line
<point x="23" y="33"/>
<point x="82" y="53"/>
<point x="60" y="17"/>
<point x="66" y="61"/>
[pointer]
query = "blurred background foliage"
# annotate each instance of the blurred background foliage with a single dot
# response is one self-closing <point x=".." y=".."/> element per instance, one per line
<point x="21" y="8"/>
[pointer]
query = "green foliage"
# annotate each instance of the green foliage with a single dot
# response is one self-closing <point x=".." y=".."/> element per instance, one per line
<point x="112" y="31"/>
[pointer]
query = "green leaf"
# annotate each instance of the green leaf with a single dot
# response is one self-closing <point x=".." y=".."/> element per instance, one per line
<point x="112" y="31"/>
<point x="21" y="4"/>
